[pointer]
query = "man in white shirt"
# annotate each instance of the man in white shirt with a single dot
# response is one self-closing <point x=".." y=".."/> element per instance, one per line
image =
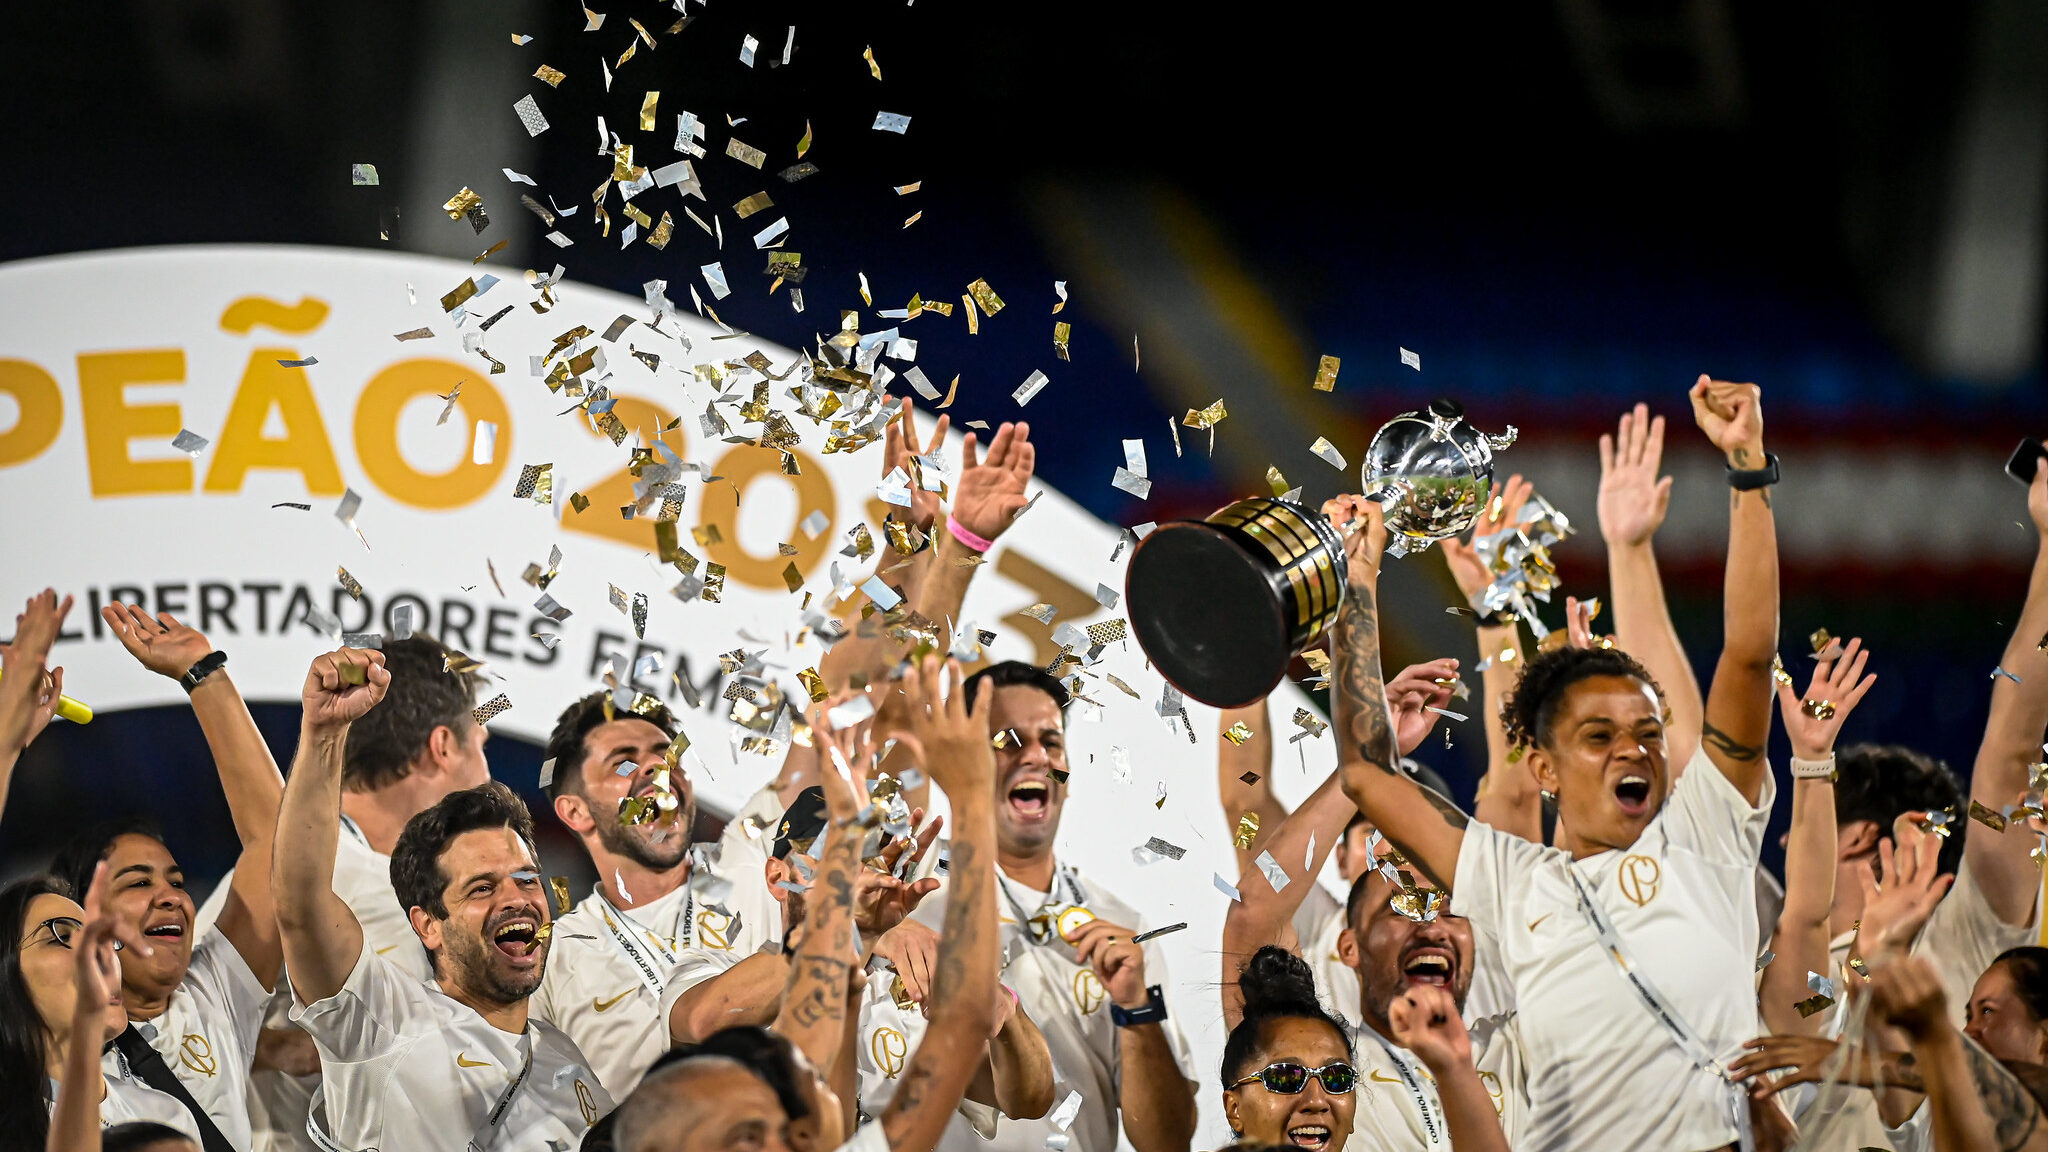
<point x="420" y="744"/>
<point x="619" y="788"/>
<point x="406" y="1064"/>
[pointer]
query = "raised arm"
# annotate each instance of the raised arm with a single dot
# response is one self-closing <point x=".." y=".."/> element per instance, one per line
<point x="2000" y="863"/>
<point x="1801" y="941"/>
<point x="322" y="939"/>
<point x="1975" y="1103"/>
<point x="75" y="1121"/>
<point x="954" y="747"/>
<point x="1633" y="501"/>
<point x="813" y="1010"/>
<point x="27" y="700"/>
<point x="1508" y="798"/>
<point x="1738" y="717"/>
<point x="1428" y="828"/>
<point x="868" y="656"/>
<point x="1020" y="1063"/>
<point x="248" y="775"/>
<point x="1425" y="1021"/>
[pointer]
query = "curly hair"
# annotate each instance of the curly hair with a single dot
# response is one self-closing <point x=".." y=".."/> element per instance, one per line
<point x="1528" y="711"/>
<point x="1277" y="985"/>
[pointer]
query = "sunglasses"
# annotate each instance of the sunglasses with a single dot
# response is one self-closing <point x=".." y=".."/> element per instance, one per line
<point x="1288" y="1078"/>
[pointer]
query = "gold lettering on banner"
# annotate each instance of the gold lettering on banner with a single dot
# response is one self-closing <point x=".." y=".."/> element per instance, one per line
<point x="385" y="397"/>
<point x="304" y="448"/>
<point x="646" y="419"/>
<point x="714" y="929"/>
<point x="41" y="417"/>
<point x="112" y="423"/>
<point x="1640" y="877"/>
<point x="888" y="1047"/>
<point x="746" y="467"/>
<point x="195" y="1053"/>
<point x="1088" y="992"/>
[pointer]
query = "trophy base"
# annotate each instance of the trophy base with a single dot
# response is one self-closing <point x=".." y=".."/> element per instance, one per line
<point x="1210" y="622"/>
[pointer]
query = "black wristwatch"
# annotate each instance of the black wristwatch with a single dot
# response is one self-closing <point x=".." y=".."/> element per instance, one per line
<point x="1748" y="480"/>
<point x="1153" y="1011"/>
<point x="208" y="664"/>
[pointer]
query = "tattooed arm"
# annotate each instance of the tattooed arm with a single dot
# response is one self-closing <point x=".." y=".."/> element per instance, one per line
<point x="1426" y="827"/>
<point x="813" y="1010"/>
<point x="1974" y="1102"/>
<point x="1738" y="716"/>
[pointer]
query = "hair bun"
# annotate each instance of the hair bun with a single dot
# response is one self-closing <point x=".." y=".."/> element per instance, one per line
<point x="1277" y="982"/>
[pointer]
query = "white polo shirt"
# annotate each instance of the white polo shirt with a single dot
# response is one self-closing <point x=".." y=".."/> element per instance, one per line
<point x="207" y="1034"/>
<point x="1071" y="1008"/>
<point x="406" y="1066"/>
<point x="597" y="990"/>
<point x="129" y="1100"/>
<point x="888" y="1037"/>
<point x="1602" y="1071"/>
<point x="1399" y="1108"/>
<point x="362" y="878"/>
<point x="1317" y="924"/>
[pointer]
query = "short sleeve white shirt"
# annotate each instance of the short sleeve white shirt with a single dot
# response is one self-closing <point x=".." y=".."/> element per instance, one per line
<point x="129" y="1100"/>
<point x="1317" y="925"/>
<point x="1602" y="1071"/>
<point x="1395" y="1115"/>
<point x="207" y="1034"/>
<point x="406" y="1066"/>
<point x="870" y="1138"/>
<point x="887" y="1036"/>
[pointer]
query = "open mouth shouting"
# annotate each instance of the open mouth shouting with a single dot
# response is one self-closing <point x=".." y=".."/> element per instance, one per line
<point x="1632" y="793"/>
<point x="519" y="937"/>
<point x="1430" y="964"/>
<point x="1031" y="798"/>
<point x="1309" y="1135"/>
<point x="171" y="931"/>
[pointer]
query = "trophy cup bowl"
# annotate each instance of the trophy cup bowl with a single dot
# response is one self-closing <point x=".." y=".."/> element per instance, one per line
<point x="1222" y="605"/>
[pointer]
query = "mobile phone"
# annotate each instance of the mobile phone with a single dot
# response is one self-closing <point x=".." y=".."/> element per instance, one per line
<point x="2021" y="466"/>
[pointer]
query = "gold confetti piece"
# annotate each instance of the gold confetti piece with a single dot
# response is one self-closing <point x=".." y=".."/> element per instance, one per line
<point x="1987" y="817"/>
<point x="792" y="577"/>
<point x="350" y="583"/>
<point x="1328" y="452"/>
<point x="1247" y="831"/>
<point x="919" y="215"/>
<point x="642" y="30"/>
<point x="459" y="204"/>
<point x="1108" y="631"/>
<point x="416" y="334"/>
<point x="492" y="708"/>
<point x="714" y="583"/>
<point x="814" y="684"/>
<point x="1778" y="672"/>
<point x="540" y="938"/>
<point x="869" y="55"/>
<point x="631" y="48"/>
<point x="1820" y="639"/>
<point x="1276" y="481"/>
<point x="457" y="295"/>
<point x="1939" y="823"/>
<point x="637" y="216"/>
<point x="1237" y="734"/>
<point x="560" y="885"/>
<point x="1318" y="662"/>
<point x="1310" y="724"/>
<point x="708" y="534"/>
<point x="353" y="673"/>
<point x="1326" y="377"/>
<point x="1060" y="331"/>
<point x="1417" y="904"/>
<point x="804" y="145"/>
<point x="553" y="77"/>
<point x="752" y="204"/>
<point x="658" y="239"/>
<point x="487" y="254"/>
<point x="521" y="41"/>
<point x="985" y="296"/>
<point x="1813" y="1004"/>
<point x="907" y="189"/>
<point x="1205" y="417"/>
<point x="647" y="110"/>
<point x="745" y="154"/>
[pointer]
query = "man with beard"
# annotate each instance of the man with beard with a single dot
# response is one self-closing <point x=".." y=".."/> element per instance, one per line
<point x="651" y="907"/>
<point x="405" y="1064"/>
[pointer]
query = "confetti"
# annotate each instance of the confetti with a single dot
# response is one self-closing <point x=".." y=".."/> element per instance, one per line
<point x="1105" y="595"/>
<point x="1411" y="359"/>
<point x="803" y="145"/>
<point x="518" y="177"/>
<point x="308" y="362"/>
<point x="1060" y="332"/>
<point x="1058" y="286"/>
<point x="891" y="122"/>
<point x="349" y="584"/>
<point x="1030" y="388"/>
<point x="1247" y="831"/>
<point x="362" y="175"/>
<point x="1164" y="848"/>
<point x="752" y="204"/>
<point x="189" y="442"/>
<point x="985" y="297"/>
<point x="1997" y="672"/>
<point x="416" y="334"/>
<point x="1987" y="817"/>
<point x="552" y="77"/>
<point x="1238" y="733"/>
<point x="559" y="884"/>
<point x="1326" y="377"/>
<point x="1328" y="451"/>
<point x="772" y="233"/>
<point x="1043" y="613"/>
<point x="1226" y="887"/>
<point x="744" y="153"/>
<point x="868" y="55"/>
<point x="714" y="275"/>
<point x="1274" y="873"/>
<point x="521" y="41"/>
<point x="492" y="708"/>
<point x="529" y="115"/>
<point x="485" y="448"/>
<point x="747" y="46"/>
<point x="536" y="483"/>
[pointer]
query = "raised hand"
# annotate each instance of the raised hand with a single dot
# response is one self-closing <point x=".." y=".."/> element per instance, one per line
<point x="29" y="693"/>
<point x="1578" y="623"/>
<point x="899" y="444"/>
<point x="1909" y="995"/>
<point x="1804" y="1060"/>
<point x="1838" y="686"/>
<point x="95" y="950"/>
<point x="913" y="950"/>
<point x="1411" y="695"/>
<point x="844" y="755"/>
<point x="1425" y="1021"/>
<point x="1503" y="510"/>
<point x="1363" y="525"/>
<point x="950" y="742"/>
<point x="1633" y="499"/>
<point x="163" y="645"/>
<point x="1732" y="416"/>
<point x="991" y="488"/>
<point x="342" y="686"/>
<point x="1896" y="910"/>
<point x="1118" y="961"/>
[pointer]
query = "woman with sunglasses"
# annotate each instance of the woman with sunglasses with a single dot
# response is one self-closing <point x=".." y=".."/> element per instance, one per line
<point x="1287" y="1074"/>
<point x="43" y="1011"/>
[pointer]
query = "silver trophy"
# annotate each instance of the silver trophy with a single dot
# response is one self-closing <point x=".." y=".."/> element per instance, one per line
<point x="1431" y="471"/>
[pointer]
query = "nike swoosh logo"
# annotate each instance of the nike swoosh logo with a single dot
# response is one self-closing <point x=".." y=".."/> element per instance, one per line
<point x="1375" y="1076"/>
<point x="1538" y="920"/>
<point x="463" y="1061"/>
<point x="603" y="1005"/>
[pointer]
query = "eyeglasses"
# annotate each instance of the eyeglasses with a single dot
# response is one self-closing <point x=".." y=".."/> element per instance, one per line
<point x="1288" y="1078"/>
<point x="59" y="929"/>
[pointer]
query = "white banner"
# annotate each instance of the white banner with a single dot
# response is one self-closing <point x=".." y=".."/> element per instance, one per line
<point x="105" y="358"/>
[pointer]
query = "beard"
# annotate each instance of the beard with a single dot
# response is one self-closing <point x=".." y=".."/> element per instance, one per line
<point x="634" y="844"/>
<point x="470" y="967"/>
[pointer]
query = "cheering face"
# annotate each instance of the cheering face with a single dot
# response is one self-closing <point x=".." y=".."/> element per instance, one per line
<point x="489" y="944"/>
<point x="1351" y="851"/>
<point x="1028" y="796"/>
<point x="1310" y="1118"/>
<point x="2000" y="1022"/>
<point x="1392" y="952"/>
<point x="146" y="892"/>
<point x="1604" y="759"/>
<point x="610" y="746"/>
<point x="49" y="967"/>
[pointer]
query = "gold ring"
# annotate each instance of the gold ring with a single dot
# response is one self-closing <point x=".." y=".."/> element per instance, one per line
<point x="1818" y="709"/>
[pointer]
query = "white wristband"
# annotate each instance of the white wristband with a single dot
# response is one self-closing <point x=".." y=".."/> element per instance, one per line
<point x="1814" y="769"/>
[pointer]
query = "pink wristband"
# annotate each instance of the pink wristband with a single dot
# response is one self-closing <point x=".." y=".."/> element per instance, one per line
<point x="966" y="537"/>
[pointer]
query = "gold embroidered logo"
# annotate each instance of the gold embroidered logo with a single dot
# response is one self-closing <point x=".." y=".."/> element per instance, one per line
<point x="606" y="1005"/>
<point x="195" y="1053"/>
<point x="586" y="1103"/>
<point x="713" y="929"/>
<point x="1640" y="877"/>
<point x="1492" y="1083"/>
<point x="462" y="1060"/>
<point x="1375" y="1076"/>
<point x="888" y="1047"/>
<point x="1088" y="992"/>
